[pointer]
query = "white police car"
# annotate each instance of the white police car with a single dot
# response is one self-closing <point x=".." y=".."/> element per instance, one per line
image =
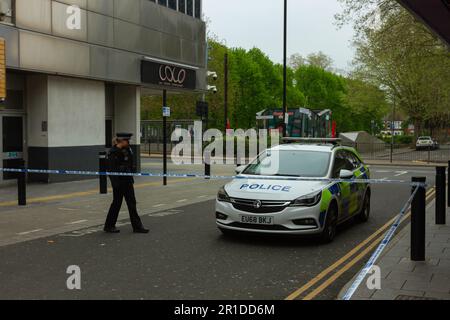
<point x="257" y="201"/>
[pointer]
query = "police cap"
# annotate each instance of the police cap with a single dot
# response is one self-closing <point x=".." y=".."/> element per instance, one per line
<point x="124" y="136"/>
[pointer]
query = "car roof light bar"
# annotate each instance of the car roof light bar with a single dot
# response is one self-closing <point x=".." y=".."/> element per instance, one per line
<point x="333" y="141"/>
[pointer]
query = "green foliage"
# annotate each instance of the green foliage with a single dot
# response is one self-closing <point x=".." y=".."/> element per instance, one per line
<point x="399" y="54"/>
<point x="256" y="83"/>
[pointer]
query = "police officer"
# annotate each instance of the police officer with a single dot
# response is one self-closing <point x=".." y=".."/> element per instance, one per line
<point x="120" y="159"/>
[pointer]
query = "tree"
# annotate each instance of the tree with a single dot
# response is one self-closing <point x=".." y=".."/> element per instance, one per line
<point x="401" y="56"/>
<point x="320" y="60"/>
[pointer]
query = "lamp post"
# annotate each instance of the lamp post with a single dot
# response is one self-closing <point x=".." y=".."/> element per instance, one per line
<point x="285" y="111"/>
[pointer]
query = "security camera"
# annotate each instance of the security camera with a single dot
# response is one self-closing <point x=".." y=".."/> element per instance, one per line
<point x="213" y="75"/>
<point x="213" y="89"/>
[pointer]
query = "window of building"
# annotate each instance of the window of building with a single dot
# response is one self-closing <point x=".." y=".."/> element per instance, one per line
<point x="190" y="7"/>
<point x="182" y="6"/>
<point x="198" y="8"/>
<point x="173" y="4"/>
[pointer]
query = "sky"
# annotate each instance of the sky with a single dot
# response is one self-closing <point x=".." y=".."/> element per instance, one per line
<point x="259" y="23"/>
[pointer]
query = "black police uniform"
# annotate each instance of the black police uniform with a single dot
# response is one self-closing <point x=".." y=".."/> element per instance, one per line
<point x="121" y="160"/>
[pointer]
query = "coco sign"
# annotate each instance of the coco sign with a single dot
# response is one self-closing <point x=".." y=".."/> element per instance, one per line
<point x="167" y="75"/>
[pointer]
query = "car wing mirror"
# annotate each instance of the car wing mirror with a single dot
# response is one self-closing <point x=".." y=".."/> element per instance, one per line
<point x="345" y="174"/>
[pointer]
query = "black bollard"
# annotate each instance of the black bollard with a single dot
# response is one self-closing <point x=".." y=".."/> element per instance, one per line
<point x="22" y="185"/>
<point x="448" y="186"/>
<point x="440" y="195"/>
<point x="418" y="222"/>
<point x="103" y="179"/>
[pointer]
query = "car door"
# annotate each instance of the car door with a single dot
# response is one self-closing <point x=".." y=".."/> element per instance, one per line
<point x="357" y="189"/>
<point x="341" y="162"/>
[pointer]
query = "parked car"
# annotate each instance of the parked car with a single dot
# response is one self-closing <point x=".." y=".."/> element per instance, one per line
<point x="426" y="143"/>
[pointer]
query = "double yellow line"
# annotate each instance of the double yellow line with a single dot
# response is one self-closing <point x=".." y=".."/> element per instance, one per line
<point x="341" y="265"/>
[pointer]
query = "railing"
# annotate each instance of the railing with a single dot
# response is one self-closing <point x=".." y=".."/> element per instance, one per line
<point x="402" y="152"/>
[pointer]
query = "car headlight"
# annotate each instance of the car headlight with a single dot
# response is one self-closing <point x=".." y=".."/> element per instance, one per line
<point x="309" y="200"/>
<point x="222" y="195"/>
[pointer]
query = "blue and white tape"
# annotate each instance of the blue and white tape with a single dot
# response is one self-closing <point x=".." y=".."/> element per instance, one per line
<point x="387" y="238"/>
<point x="202" y="176"/>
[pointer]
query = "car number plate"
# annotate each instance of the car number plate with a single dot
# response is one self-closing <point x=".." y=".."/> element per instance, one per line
<point x="264" y="220"/>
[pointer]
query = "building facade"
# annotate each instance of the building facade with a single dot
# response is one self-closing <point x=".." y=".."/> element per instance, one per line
<point x="76" y="70"/>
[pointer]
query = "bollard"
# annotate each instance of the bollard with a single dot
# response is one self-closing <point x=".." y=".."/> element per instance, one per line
<point x="418" y="222"/>
<point x="207" y="165"/>
<point x="440" y="195"/>
<point x="448" y="185"/>
<point x="22" y="185"/>
<point x="103" y="179"/>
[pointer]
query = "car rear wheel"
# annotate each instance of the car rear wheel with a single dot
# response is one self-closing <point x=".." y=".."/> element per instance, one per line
<point x="329" y="231"/>
<point x="365" y="211"/>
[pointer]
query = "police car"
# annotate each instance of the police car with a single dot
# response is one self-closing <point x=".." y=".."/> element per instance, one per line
<point x="265" y="197"/>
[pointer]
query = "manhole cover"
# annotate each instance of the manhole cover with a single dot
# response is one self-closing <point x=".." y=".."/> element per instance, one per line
<point x="403" y="297"/>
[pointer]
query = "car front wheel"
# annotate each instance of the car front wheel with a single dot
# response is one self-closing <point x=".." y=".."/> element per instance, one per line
<point x="329" y="231"/>
<point x="365" y="211"/>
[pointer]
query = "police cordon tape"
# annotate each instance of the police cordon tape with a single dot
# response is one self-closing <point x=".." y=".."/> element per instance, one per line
<point x="211" y="177"/>
<point x="387" y="238"/>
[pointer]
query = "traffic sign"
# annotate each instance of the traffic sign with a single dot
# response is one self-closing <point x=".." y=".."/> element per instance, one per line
<point x="166" y="112"/>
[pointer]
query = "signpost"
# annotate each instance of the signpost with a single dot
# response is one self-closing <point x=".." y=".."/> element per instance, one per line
<point x="166" y="114"/>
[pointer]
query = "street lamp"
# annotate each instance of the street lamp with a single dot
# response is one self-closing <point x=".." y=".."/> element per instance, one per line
<point x="285" y="111"/>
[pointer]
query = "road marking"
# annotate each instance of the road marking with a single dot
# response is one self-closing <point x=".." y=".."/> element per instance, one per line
<point x="84" y="193"/>
<point x="350" y="264"/>
<point x="67" y="209"/>
<point x="400" y="173"/>
<point x="203" y="196"/>
<point x="339" y="262"/>
<point x="159" y="205"/>
<point x="29" y="232"/>
<point x="182" y="200"/>
<point x="77" y="222"/>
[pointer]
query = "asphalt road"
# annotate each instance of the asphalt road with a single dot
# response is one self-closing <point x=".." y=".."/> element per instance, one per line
<point x="186" y="257"/>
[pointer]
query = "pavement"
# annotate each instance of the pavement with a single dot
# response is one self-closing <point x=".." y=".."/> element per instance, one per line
<point x="184" y="256"/>
<point x="403" y="279"/>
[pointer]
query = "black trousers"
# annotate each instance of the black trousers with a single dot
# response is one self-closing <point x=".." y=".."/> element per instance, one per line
<point x="124" y="190"/>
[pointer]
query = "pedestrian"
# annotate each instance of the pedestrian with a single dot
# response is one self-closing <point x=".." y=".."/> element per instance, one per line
<point x="121" y="160"/>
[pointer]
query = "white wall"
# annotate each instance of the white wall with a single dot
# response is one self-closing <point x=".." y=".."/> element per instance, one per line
<point x="127" y="111"/>
<point x="76" y="112"/>
<point x="37" y="102"/>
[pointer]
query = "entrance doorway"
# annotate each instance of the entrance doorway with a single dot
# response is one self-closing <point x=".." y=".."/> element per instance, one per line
<point x="12" y="143"/>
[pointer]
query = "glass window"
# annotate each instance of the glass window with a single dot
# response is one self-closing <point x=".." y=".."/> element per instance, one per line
<point x="190" y="7"/>
<point x="198" y="9"/>
<point x="173" y="4"/>
<point x="182" y="6"/>
<point x="290" y="163"/>
<point x="354" y="160"/>
<point x="340" y="163"/>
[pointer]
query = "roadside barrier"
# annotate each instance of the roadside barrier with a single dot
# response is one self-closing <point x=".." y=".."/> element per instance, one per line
<point x="203" y="176"/>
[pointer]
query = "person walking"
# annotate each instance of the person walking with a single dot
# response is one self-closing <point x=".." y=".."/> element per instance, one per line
<point x="121" y="160"/>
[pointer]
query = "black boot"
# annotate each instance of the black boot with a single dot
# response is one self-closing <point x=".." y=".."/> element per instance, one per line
<point x="141" y="230"/>
<point x="111" y="230"/>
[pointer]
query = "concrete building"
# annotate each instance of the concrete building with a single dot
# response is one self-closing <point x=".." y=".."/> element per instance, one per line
<point x="76" y="70"/>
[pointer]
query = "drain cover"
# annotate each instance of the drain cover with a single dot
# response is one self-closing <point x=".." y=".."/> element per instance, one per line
<point x="403" y="297"/>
